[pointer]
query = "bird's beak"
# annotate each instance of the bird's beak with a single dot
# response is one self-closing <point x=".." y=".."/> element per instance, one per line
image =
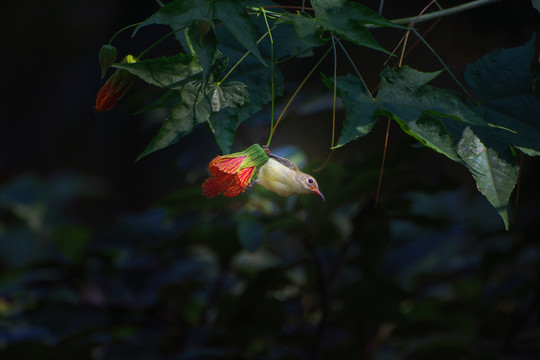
<point x="317" y="191"/>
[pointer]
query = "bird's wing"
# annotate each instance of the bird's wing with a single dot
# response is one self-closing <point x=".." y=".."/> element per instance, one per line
<point x="288" y="163"/>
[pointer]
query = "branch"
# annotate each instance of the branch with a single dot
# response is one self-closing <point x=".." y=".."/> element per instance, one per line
<point x="440" y="13"/>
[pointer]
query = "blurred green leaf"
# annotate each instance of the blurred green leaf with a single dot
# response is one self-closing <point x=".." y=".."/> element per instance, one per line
<point x="72" y="240"/>
<point x="250" y="232"/>
<point x="536" y="4"/>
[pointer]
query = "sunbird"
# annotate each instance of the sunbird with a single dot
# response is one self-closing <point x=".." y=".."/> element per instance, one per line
<point x="282" y="176"/>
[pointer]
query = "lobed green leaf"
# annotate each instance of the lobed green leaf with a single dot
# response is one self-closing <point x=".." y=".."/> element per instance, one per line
<point x="165" y="72"/>
<point x="494" y="170"/>
<point x="195" y="107"/>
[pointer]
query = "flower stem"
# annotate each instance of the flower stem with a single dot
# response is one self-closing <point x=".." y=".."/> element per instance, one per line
<point x="334" y="95"/>
<point x="444" y="65"/>
<point x="296" y="93"/>
<point x="241" y="59"/>
<point x="159" y="41"/>
<point x="121" y="30"/>
<point x="271" y="68"/>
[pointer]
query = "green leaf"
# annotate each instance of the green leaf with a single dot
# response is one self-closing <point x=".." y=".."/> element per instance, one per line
<point x="183" y="13"/>
<point x="204" y="46"/>
<point x="250" y="232"/>
<point x="433" y="133"/>
<point x="225" y="118"/>
<point x="404" y="97"/>
<point x="164" y="71"/>
<point x="235" y="18"/>
<point x="231" y="94"/>
<point x="536" y="4"/>
<point x="340" y="12"/>
<point x="503" y="82"/>
<point x="345" y="19"/>
<point x="306" y="28"/>
<point x="360" y="108"/>
<point x="257" y="78"/>
<point x="405" y="94"/>
<point x="195" y="107"/>
<point x="495" y="174"/>
<point x="223" y="125"/>
<point x="72" y="240"/>
<point x="179" y="14"/>
<point x="321" y="5"/>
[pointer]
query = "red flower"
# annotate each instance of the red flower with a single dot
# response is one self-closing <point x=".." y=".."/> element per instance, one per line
<point x="233" y="173"/>
<point x="115" y="87"/>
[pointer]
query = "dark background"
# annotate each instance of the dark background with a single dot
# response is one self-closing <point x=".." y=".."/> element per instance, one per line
<point x="101" y="255"/>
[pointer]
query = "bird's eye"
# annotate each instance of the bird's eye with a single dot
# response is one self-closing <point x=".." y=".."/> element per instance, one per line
<point x="310" y="181"/>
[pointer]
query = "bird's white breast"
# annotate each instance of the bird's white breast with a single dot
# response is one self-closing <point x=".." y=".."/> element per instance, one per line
<point x="278" y="178"/>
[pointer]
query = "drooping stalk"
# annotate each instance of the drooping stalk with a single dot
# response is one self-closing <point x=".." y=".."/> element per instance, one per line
<point x="121" y="30"/>
<point x="334" y="94"/>
<point x="240" y="60"/>
<point x="296" y="93"/>
<point x="463" y="88"/>
<point x="159" y="41"/>
<point x="271" y="70"/>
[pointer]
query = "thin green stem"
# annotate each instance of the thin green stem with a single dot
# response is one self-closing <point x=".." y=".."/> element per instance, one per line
<point x="159" y="41"/>
<point x="121" y="30"/>
<point x="241" y="59"/>
<point x="296" y="93"/>
<point x="294" y="56"/>
<point x="444" y="65"/>
<point x="335" y="94"/>
<point x="353" y="65"/>
<point x="271" y="71"/>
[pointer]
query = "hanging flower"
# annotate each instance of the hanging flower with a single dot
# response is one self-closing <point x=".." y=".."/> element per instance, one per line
<point x="233" y="173"/>
<point x="117" y="85"/>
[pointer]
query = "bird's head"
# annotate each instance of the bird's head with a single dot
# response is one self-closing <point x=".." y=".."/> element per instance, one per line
<point x="308" y="184"/>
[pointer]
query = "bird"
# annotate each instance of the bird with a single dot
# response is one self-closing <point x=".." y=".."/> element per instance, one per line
<point x="283" y="177"/>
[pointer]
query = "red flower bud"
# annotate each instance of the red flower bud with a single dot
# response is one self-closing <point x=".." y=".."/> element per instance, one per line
<point x="115" y="87"/>
<point x="107" y="57"/>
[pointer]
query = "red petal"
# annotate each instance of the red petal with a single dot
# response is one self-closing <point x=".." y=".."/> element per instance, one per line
<point x="226" y="164"/>
<point x="241" y="181"/>
<point x="244" y="175"/>
<point x="106" y="97"/>
<point x="212" y="188"/>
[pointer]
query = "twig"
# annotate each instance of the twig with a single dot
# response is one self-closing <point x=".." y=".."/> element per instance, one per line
<point x="439" y="13"/>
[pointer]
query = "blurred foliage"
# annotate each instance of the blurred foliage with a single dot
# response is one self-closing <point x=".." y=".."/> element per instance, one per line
<point x="263" y="277"/>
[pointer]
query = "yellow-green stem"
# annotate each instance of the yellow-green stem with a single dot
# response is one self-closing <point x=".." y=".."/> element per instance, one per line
<point x="239" y="61"/>
<point x="271" y="69"/>
<point x="121" y="30"/>
<point x="296" y="93"/>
